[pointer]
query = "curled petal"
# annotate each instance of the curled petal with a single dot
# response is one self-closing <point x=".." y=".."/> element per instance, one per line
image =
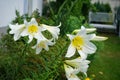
<point x="71" y="51"/>
<point x="54" y="30"/>
<point x="70" y="36"/>
<point x="16" y="30"/>
<point x="99" y="38"/>
<point x="30" y="39"/>
<point x="89" y="30"/>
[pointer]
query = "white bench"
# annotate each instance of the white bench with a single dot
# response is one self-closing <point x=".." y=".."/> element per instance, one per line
<point x="102" y="21"/>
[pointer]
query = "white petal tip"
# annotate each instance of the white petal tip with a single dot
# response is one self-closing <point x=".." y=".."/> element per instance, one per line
<point x="67" y="56"/>
<point x="99" y="38"/>
<point x="89" y="30"/>
<point x="59" y="24"/>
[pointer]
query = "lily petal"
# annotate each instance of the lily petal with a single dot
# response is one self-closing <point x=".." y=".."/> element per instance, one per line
<point x="54" y="30"/>
<point x="70" y="36"/>
<point x="16" y="30"/>
<point x="17" y="36"/>
<point x="33" y="21"/>
<point x="89" y="48"/>
<point x="82" y="55"/>
<point x="99" y="38"/>
<point x="38" y="50"/>
<point x="88" y="30"/>
<point x="71" y="51"/>
<point x="89" y="36"/>
<point x="82" y="31"/>
<point x="30" y="39"/>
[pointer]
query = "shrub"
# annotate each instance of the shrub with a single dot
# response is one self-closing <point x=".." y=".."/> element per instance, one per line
<point x="100" y="7"/>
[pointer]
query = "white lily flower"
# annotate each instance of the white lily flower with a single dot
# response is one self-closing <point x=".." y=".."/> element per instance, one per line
<point x="16" y="30"/>
<point x="54" y="30"/>
<point x="79" y="63"/>
<point x="81" y="43"/>
<point x="32" y="30"/>
<point x="71" y="73"/>
<point x="42" y="44"/>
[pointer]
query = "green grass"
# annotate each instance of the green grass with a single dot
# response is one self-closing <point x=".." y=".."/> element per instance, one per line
<point x="106" y="63"/>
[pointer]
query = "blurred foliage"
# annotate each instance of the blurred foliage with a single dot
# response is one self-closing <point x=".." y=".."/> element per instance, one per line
<point x="66" y="11"/>
<point x="79" y="7"/>
<point x="73" y="23"/>
<point x="102" y="7"/>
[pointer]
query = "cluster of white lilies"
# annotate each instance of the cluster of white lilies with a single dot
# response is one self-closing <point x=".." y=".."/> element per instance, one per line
<point x="34" y="30"/>
<point x="79" y="42"/>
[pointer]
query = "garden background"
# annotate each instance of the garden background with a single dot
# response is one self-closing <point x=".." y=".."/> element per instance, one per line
<point x="72" y="14"/>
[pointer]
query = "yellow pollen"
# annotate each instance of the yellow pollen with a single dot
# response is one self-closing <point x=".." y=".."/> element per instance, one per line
<point x="87" y="78"/>
<point x="78" y="42"/>
<point x="72" y="75"/>
<point x="42" y="44"/>
<point x="32" y="29"/>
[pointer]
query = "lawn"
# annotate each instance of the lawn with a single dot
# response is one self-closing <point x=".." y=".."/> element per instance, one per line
<point x="106" y="63"/>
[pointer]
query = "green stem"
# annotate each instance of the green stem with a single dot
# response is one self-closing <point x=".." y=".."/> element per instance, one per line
<point x="51" y="10"/>
<point x="61" y="7"/>
<point x="24" y="49"/>
<point x="56" y="59"/>
<point x="62" y="50"/>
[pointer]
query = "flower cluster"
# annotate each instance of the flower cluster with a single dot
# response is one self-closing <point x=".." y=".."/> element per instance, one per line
<point x="33" y="30"/>
<point x="81" y="42"/>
